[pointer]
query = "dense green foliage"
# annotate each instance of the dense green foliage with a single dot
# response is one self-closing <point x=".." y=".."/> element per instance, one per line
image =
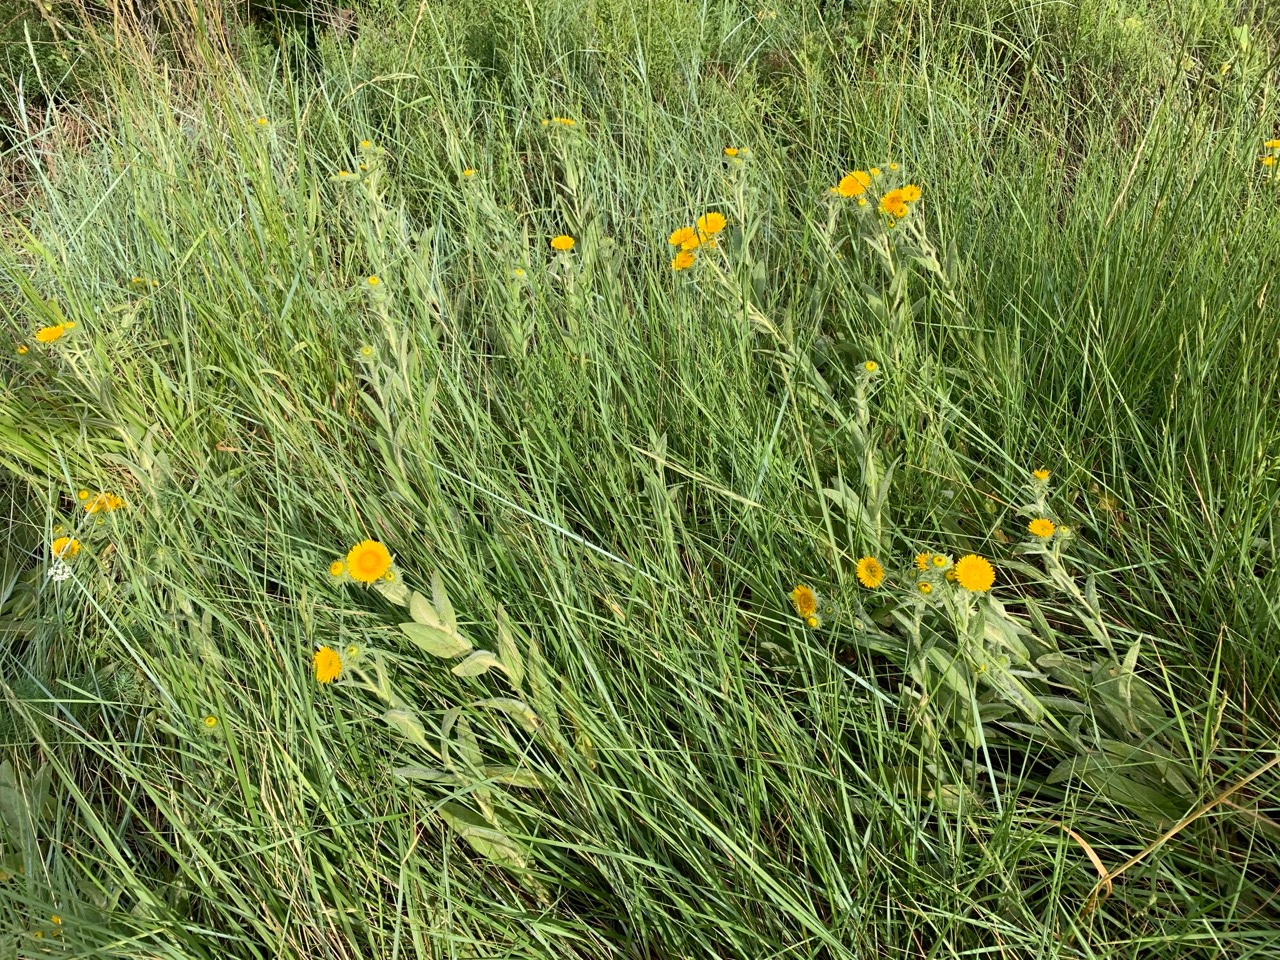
<point x="619" y="473"/>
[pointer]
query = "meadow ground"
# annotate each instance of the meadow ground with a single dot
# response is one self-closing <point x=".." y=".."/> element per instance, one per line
<point x="806" y="561"/>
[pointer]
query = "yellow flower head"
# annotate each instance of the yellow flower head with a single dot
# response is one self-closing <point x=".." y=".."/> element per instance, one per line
<point x="922" y="561"/>
<point x="105" y="502"/>
<point x="910" y="193"/>
<point x="709" y="224"/>
<point x="870" y="573"/>
<point x="366" y="144"/>
<point x="871" y="366"/>
<point x="939" y="561"/>
<point x="1272" y="144"/>
<point x="893" y="166"/>
<point x="374" y="281"/>
<point x="368" y="561"/>
<point x="210" y="721"/>
<point x="469" y="172"/>
<point x="64" y="548"/>
<point x="22" y="349"/>
<point x="1042" y="528"/>
<point x="563" y="242"/>
<point x="50" y="334"/>
<point x="1041" y="474"/>
<point x="337" y="569"/>
<point x="327" y="665"/>
<point x="1268" y="161"/>
<point x="366" y="351"/>
<point x="925" y="587"/>
<point x="343" y="174"/>
<point x="813" y="622"/>
<point x="682" y="236"/>
<point x="683" y="260"/>
<point x="975" y="573"/>
<point x="894" y="204"/>
<point x="261" y="121"/>
<point x="862" y="201"/>
<point x="730" y="151"/>
<point x="875" y="171"/>
<point x="82" y="494"/>
<point x="805" y="600"/>
<point x="853" y="184"/>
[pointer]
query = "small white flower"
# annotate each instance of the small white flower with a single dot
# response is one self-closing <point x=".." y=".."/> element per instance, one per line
<point x="59" y="571"/>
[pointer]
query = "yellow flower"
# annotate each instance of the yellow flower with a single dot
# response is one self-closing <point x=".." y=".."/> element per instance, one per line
<point x="925" y="587"/>
<point x="975" y="573"/>
<point x="894" y="204"/>
<point x="366" y="351"/>
<point x="683" y="260"/>
<point x="82" y="494"/>
<point x="730" y="151"/>
<point x="875" y="171"/>
<point x="862" y="201"/>
<point x="922" y="561"/>
<point x="469" y="172"/>
<point x="939" y="560"/>
<point x="853" y="184"/>
<point x="210" y="721"/>
<point x="353" y="650"/>
<point x="374" y="281"/>
<point x="50" y="334"/>
<point x="813" y="622"/>
<point x="1041" y="474"/>
<point x="261" y="121"/>
<point x="871" y="366"/>
<point x="1042" y="527"/>
<point x="910" y="193"/>
<point x="343" y="174"/>
<point x="805" y="600"/>
<point x="1268" y="161"/>
<point x="1272" y="144"/>
<point x="22" y="349"/>
<point x="368" y="561"/>
<point x="56" y="920"/>
<point x="562" y="242"/>
<point x="337" y="569"/>
<point x="709" y="224"/>
<point x="682" y="236"/>
<point x="327" y="665"/>
<point x="64" y="548"/>
<point x="870" y="573"/>
<point x="366" y="144"/>
<point x="893" y="166"/>
<point x="105" y="502"/>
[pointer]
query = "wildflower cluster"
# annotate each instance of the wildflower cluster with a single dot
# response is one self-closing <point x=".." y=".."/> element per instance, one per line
<point x="368" y="562"/>
<point x="47" y="335"/>
<point x="806" y="602"/>
<point x="688" y="239"/>
<point x="102" y="502"/>
<point x="559" y="121"/>
<point x="874" y="186"/>
<point x="1271" y="158"/>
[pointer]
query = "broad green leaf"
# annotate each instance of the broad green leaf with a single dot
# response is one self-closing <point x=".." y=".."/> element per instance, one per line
<point x="435" y="641"/>
<point x="468" y="746"/>
<point x="427" y="775"/>
<point x="407" y="725"/>
<point x="514" y="777"/>
<point x="441" y="600"/>
<point x="395" y="591"/>
<point x="423" y="612"/>
<point x="485" y="839"/>
<point x="476" y="664"/>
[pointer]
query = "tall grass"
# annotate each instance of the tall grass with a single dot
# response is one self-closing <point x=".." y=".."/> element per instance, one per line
<point x="634" y="470"/>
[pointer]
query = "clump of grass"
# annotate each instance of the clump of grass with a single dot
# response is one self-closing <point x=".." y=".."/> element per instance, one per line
<point x="470" y="578"/>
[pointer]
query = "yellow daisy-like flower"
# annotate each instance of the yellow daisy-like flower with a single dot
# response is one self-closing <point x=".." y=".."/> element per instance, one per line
<point x="683" y="260"/>
<point x="922" y="561"/>
<point x="327" y="665"/>
<point x="939" y="560"/>
<point x="709" y="224"/>
<point x="910" y="193"/>
<point x="682" y="236"/>
<point x="925" y="587"/>
<point x="22" y="349"/>
<point x="893" y="166"/>
<point x="374" y="281"/>
<point x="343" y="174"/>
<point x="1041" y="474"/>
<point x="353" y="650"/>
<point x="853" y="184"/>
<point x="469" y="172"/>
<point x="894" y="204"/>
<point x="366" y="351"/>
<point x="1272" y="144"/>
<point x="366" y="144"/>
<point x="862" y="201"/>
<point x="564" y="242"/>
<point x="368" y="561"/>
<point x="105" y="502"/>
<point x="210" y="722"/>
<point x="1268" y="161"/>
<point x="337" y="569"/>
<point x="813" y="622"/>
<point x="870" y="573"/>
<point x="730" y="151"/>
<point x="50" y="334"/>
<point x="975" y="573"/>
<point x="805" y="600"/>
<point x="1042" y="528"/>
<point x="875" y="171"/>
<point x="64" y="548"/>
<point x="871" y="366"/>
<point x="261" y="121"/>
